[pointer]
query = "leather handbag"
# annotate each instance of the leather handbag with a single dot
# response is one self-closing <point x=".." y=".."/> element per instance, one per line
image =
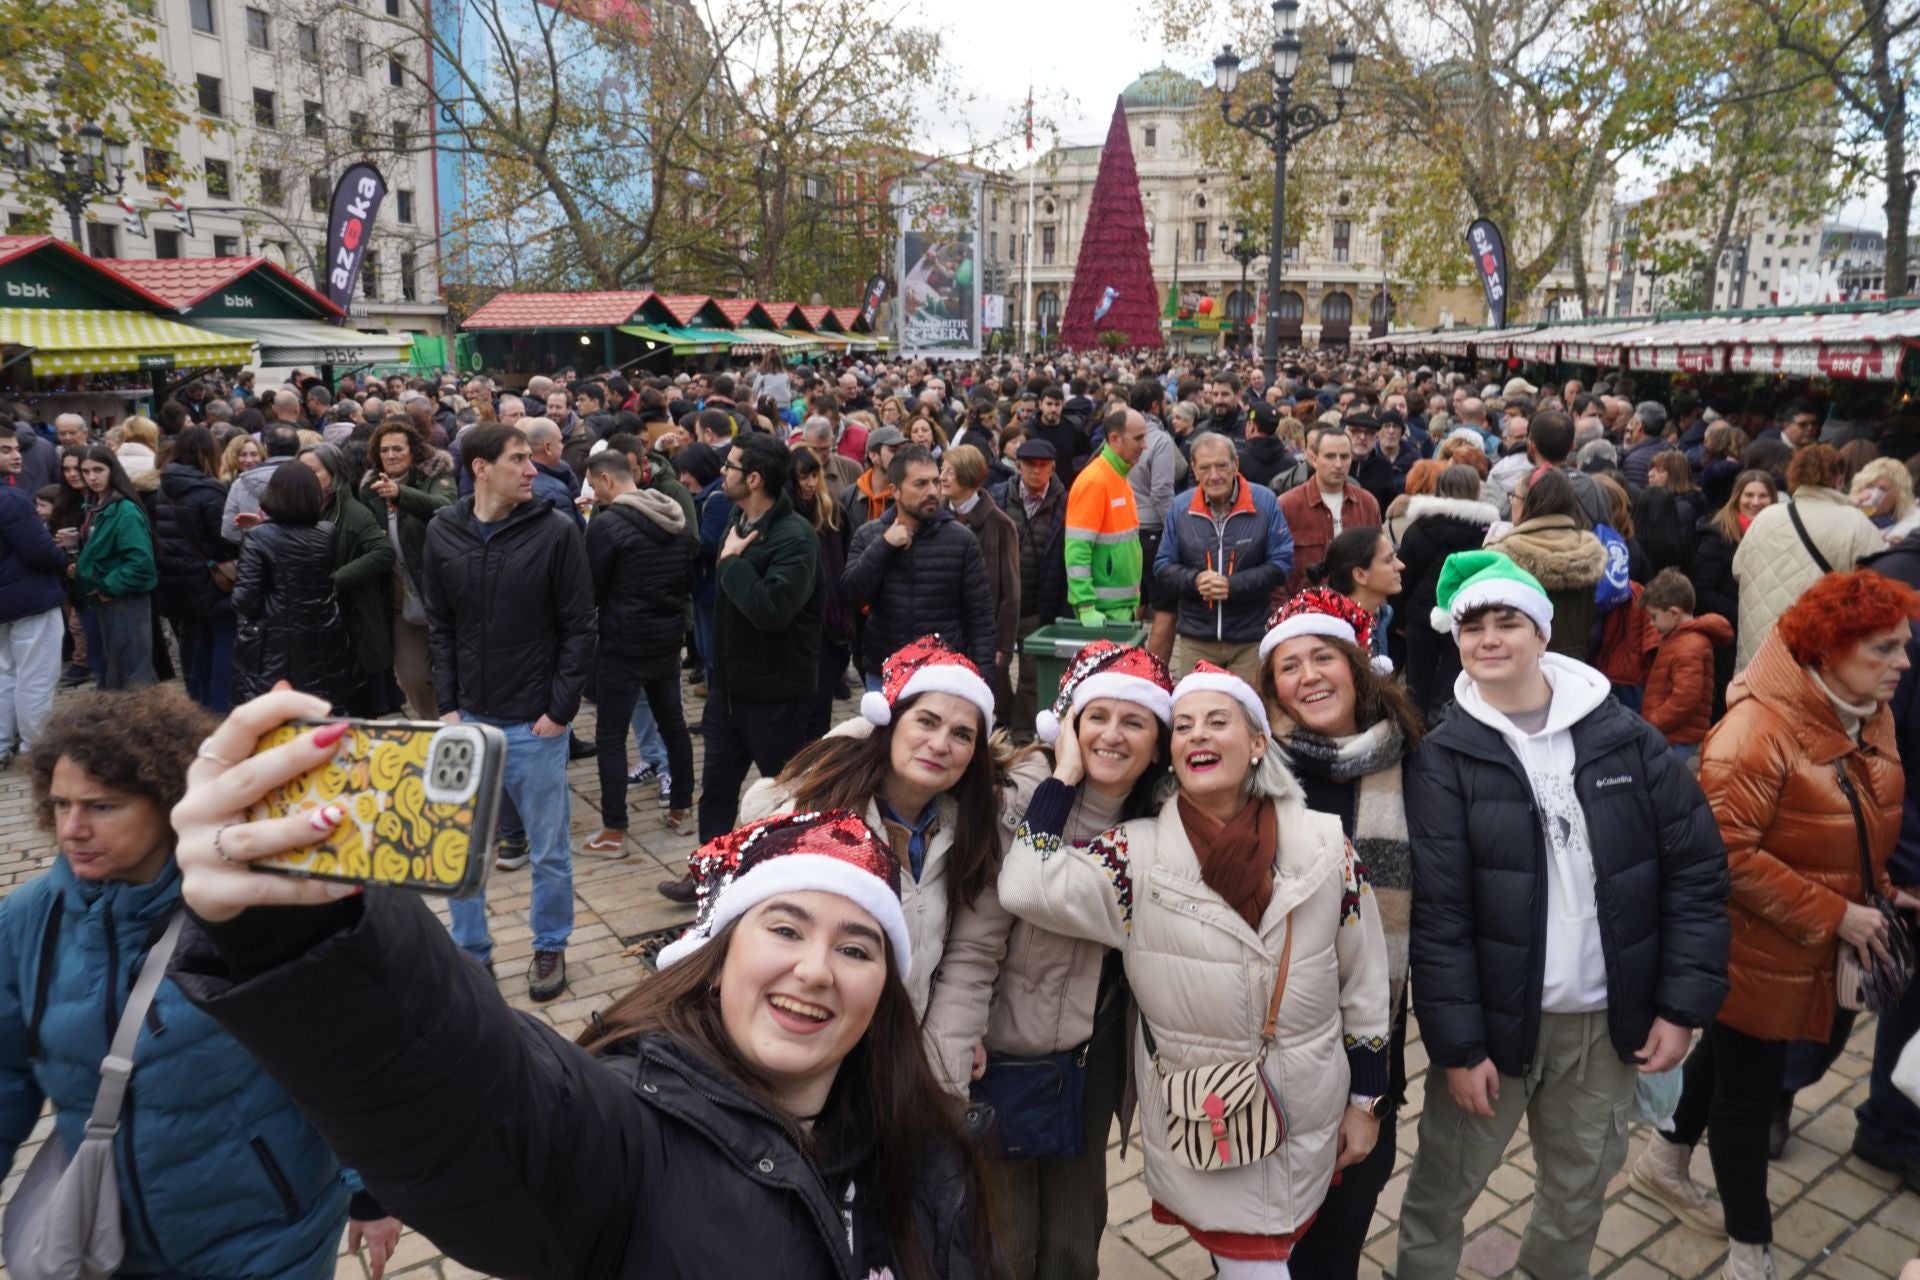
<point x="1229" y="1114"/>
<point x="1872" y="985"/>
<point x="1038" y="1104"/>
<point x="64" y="1220"/>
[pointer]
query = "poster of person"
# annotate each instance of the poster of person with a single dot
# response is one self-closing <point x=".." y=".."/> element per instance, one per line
<point x="939" y="309"/>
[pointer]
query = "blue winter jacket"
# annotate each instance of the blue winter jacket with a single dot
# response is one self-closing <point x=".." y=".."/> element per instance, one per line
<point x="219" y="1175"/>
<point x="32" y="565"/>
<point x="1253" y="546"/>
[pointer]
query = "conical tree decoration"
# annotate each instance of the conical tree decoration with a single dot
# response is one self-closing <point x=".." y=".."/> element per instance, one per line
<point x="1114" y="254"/>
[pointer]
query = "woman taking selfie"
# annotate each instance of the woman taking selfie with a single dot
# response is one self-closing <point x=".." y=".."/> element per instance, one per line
<point x="218" y="1174"/>
<point x="1253" y="949"/>
<point x="1348" y="730"/>
<point x="1056" y="1003"/>
<point x="915" y="764"/>
<point x="764" y="1098"/>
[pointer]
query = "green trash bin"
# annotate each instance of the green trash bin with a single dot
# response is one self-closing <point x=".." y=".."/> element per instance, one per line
<point x="1053" y="646"/>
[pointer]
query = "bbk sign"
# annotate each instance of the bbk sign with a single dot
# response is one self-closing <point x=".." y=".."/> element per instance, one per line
<point x="237" y="301"/>
<point x="1808" y="287"/>
<point x="356" y="203"/>
<point x="23" y="291"/>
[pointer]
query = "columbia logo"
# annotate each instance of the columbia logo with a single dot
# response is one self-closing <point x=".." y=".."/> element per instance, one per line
<point x="1621" y="781"/>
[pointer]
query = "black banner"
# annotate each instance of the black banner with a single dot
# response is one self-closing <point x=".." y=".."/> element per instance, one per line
<point x="1490" y="260"/>
<point x="356" y="203"/>
<point x="876" y="290"/>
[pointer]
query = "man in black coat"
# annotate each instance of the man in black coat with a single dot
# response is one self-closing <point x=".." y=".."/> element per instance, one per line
<point x="640" y="549"/>
<point x="509" y="601"/>
<point x="1072" y="446"/>
<point x="769" y="606"/>
<point x="1569" y="924"/>
<point x="1036" y="502"/>
<point x="918" y="571"/>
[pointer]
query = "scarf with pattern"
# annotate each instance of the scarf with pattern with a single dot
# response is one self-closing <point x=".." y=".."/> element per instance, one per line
<point x="1372" y="758"/>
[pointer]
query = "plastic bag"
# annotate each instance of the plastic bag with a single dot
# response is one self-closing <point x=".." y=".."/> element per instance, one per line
<point x="1656" y="1097"/>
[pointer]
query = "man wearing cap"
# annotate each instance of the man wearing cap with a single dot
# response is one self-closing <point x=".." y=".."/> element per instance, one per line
<point x="1371" y="470"/>
<point x="1570" y="926"/>
<point x="1037" y="505"/>
<point x="1319" y="510"/>
<point x="869" y="497"/>
<point x="1225" y="551"/>
<point x="1103" y="527"/>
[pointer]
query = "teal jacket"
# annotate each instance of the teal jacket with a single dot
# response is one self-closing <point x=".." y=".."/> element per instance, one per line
<point x="117" y="558"/>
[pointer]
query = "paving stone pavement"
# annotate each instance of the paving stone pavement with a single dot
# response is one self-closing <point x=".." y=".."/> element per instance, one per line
<point x="1834" y="1215"/>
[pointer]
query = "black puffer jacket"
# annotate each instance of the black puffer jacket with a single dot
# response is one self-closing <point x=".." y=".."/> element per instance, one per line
<point x="1042" y="538"/>
<point x="1480" y="888"/>
<point x="187" y="541"/>
<point x="291" y="627"/>
<point x="641" y="554"/>
<point x="534" y="1158"/>
<point x="936" y="585"/>
<point x="510" y="619"/>
<point x="1436" y="528"/>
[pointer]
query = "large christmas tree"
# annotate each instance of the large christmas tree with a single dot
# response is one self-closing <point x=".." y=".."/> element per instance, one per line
<point x="1114" y="254"/>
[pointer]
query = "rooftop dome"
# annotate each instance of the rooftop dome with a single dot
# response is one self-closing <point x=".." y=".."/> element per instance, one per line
<point x="1162" y="87"/>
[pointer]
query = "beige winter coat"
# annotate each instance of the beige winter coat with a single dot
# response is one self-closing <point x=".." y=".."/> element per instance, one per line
<point x="1772" y="565"/>
<point x="1042" y="988"/>
<point x="1202" y="980"/>
<point x="935" y="960"/>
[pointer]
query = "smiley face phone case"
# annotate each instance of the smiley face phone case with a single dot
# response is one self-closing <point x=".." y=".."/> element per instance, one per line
<point x="421" y="801"/>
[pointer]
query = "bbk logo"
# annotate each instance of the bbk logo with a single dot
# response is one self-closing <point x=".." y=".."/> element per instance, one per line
<point x="236" y="300"/>
<point x="41" y="292"/>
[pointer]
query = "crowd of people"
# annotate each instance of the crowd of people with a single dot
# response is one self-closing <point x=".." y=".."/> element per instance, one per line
<point x="1566" y="723"/>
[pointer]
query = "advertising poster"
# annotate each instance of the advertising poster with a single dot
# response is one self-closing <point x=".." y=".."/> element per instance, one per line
<point x="356" y="203"/>
<point x="938" y="269"/>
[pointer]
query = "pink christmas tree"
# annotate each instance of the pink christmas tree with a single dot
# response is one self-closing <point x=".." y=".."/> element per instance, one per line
<point x="1114" y="254"/>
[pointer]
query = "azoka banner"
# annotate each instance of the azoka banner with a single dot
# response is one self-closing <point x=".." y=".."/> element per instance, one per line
<point x="1490" y="260"/>
<point x="356" y="203"/>
<point x="938" y="267"/>
<point x="870" y="300"/>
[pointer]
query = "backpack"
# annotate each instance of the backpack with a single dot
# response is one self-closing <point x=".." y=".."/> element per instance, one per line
<point x="1615" y="587"/>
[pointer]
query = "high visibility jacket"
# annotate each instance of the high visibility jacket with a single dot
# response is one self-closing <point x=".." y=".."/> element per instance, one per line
<point x="1103" y="542"/>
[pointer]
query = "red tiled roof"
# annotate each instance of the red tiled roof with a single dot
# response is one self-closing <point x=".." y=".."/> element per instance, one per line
<point x="782" y="313"/>
<point x="818" y="316"/>
<point x="12" y="247"/>
<point x="846" y="316"/>
<point x="183" y="282"/>
<point x="683" y="307"/>
<point x="556" y="310"/>
<point x="739" y="311"/>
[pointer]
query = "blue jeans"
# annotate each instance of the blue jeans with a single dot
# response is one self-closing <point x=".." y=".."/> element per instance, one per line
<point x="1887" y="1118"/>
<point x="206" y="653"/>
<point x="872" y="682"/>
<point x="646" y="737"/>
<point x="536" y="778"/>
<point x="703" y="640"/>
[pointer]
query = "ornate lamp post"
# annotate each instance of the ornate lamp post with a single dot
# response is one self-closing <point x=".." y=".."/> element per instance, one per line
<point x="82" y="166"/>
<point x="1282" y="124"/>
<point x="1242" y="250"/>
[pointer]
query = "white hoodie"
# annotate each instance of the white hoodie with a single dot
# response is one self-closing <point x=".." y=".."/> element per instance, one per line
<point x="1576" y="968"/>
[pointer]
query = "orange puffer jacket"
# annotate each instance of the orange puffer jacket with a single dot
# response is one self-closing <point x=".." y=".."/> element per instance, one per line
<point x="1792" y="856"/>
<point x="1679" y="699"/>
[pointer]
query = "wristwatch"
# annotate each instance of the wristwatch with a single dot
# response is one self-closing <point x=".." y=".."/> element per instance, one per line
<point x="1375" y="1107"/>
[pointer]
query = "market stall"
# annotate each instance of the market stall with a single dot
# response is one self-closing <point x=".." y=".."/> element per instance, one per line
<point x="523" y="334"/>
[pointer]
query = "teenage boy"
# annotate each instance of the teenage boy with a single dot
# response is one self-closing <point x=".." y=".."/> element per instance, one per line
<point x="1569" y="924"/>
<point x="1679" y="695"/>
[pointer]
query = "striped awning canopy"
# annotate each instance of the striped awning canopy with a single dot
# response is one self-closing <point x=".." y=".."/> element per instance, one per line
<point x="55" y="342"/>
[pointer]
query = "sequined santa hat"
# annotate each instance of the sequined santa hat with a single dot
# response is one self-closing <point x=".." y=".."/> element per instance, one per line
<point x="925" y="666"/>
<point x="832" y="851"/>
<point x="1105" y="669"/>
<point x="1207" y="678"/>
<point x="1322" y="611"/>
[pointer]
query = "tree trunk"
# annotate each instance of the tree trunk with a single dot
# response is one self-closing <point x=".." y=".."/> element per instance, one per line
<point x="1899" y="204"/>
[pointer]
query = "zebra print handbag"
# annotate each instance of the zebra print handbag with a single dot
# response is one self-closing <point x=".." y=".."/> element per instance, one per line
<point x="1228" y="1114"/>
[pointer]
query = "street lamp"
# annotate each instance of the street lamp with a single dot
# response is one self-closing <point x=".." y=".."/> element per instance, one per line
<point x="1282" y="124"/>
<point x="81" y="166"/>
<point x="1243" y="250"/>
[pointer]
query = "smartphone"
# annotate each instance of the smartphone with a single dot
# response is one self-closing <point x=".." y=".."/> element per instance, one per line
<point x="422" y="800"/>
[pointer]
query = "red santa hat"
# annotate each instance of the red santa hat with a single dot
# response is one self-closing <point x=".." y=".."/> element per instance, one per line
<point x="1207" y="678"/>
<point x="1105" y="669"/>
<point x="925" y="666"/>
<point x="1322" y="611"/>
<point x="833" y="851"/>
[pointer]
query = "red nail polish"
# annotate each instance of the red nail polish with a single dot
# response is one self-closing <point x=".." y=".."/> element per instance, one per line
<point x="331" y="734"/>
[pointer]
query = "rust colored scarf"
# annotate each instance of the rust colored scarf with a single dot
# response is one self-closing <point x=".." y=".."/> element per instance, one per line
<point x="1236" y="856"/>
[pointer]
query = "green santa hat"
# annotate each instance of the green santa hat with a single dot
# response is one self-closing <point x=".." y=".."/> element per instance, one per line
<point x="1471" y="580"/>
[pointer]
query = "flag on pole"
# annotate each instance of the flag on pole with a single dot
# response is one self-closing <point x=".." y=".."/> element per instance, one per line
<point x="1029" y="117"/>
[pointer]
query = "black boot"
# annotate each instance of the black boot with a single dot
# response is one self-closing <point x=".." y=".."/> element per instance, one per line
<point x="579" y="748"/>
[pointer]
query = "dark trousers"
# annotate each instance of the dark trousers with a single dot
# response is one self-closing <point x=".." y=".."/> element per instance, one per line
<point x="206" y="654"/>
<point x="615" y="694"/>
<point x="1330" y="1250"/>
<point x="743" y="733"/>
<point x="1731" y="1082"/>
<point x="833" y="669"/>
<point x="1888" y="1119"/>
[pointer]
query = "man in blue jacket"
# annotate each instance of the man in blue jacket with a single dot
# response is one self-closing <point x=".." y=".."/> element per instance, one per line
<point x="1224" y="551"/>
<point x="32" y="567"/>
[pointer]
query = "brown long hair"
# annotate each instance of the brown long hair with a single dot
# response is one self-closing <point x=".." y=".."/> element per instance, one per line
<point x="1727" y="519"/>
<point x="842" y="772"/>
<point x="884" y="1087"/>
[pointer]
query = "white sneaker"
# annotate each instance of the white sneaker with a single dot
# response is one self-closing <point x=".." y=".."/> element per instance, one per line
<point x="666" y="791"/>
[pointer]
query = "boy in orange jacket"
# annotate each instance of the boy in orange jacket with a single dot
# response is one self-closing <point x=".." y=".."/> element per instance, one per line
<point x="1679" y="696"/>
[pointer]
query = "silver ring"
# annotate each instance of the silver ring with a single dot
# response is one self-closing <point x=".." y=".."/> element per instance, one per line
<point x="217" y="833"/>
<point x="204" y="752"/>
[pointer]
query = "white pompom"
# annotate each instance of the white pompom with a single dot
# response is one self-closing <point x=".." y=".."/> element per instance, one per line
<point x="1047" y="726"/>
<point x="1382" y="665"/>
<point x="873" y="705"/>
<point x="1440" y="620"/>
